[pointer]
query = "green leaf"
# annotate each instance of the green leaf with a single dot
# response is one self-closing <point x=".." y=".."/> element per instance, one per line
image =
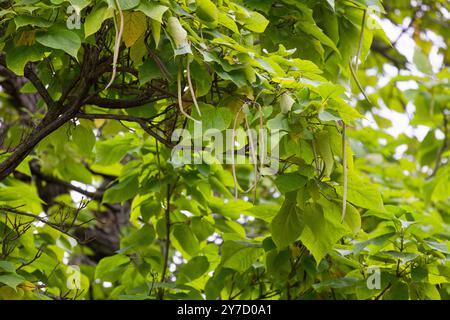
<point x="347" y="113"/>
<point x="335" y="283"/>
<point x="194" y="269"/>
<point x="207" y="10"/>
<point x="7" y="266"/>
<point x="212" y="118"/>
<point x="80" y="4"/>
<point x="113" y="150"/>
<point x="217" y="118"/>
<point x="291" y="181"/>
<point x="138" y="239"/>
<point x="17" y="57"/>
<point x="124" y="4"/>
<point x="398" y="291"/>
<point x="95" y="19"/>
<point x="110" y="268"/>
<point x="156" y="32"/>
<point x="280" y="122"/>
<point x="60" y="38"/>
<point x="185" y="239"/>
<point x="11" y="280"/>
<point x="288" y="224"/>
<point x="228" y="22"/>
<point x="378" y="241"/>
<point x="239" y="255"/>
<point x="422" y="62"/>
<point x="397" y="255"/>
<point x="438" y="246"/>
<point x="201" y="78"/>
<point x="330" y="90"/>
<point x="219" y="187"/>
<point x="201" y="228"/>
<point x="256" y="22"/>
<point x="322" y="228"/>
<point x="230" y="208"/>
<point x="265" y="212"/>
<point x="424" y="291"/>
<point x="84" y="138"/>
<point x="148" y="71"/>
<point x="230" y="227"/>
<point x="18" y="192"/>
<point x="124" y="190"/>
<point x="362" y="193"/>
<point x="34" y="21"/>
<point x="316" y="32"/>
<point x="278" y="263"/>
<point x="152" y="10"/>
<point x="352" y="217"/>
<point x="323" y="147"/>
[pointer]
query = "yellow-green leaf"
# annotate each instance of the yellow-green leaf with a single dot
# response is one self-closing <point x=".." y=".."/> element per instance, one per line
<point x="135" y="25"/>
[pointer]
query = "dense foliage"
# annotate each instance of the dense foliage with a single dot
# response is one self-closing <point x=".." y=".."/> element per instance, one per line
<point x="94" y="204"/>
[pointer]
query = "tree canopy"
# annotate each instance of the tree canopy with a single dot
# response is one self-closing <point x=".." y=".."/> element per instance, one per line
<point x="112" y="186"/>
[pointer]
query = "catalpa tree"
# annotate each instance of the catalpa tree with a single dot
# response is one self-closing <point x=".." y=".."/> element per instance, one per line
<point x="224" y="149"/>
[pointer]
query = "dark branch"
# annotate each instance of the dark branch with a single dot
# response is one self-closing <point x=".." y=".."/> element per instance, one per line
<point x="37" y="83"/>
<point x="23" y="149"/>
<point x="93" y="195"/>
<point x="383" y="51"/>
<point x="121" y="117"/>
<point x="55" y="117"/>
<point x="41" y="219"/>
<point x="122" y="103"/>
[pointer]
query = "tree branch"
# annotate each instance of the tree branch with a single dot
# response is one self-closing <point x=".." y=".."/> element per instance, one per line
<point x="55" y="117"/>
<point x="37" y="83"/>
<point x="379" y="48"/>
<point x="12" y="85"/>
<point x="39" y="133"/>
<point x="122" y="103"/>
<point x="122" y="117"/>
<point x="41" y="219"/>
<point x="167" y="240"/>
<point x="93" y="195"/>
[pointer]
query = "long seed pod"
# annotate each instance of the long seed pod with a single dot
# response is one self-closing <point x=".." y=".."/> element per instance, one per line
<point x="118" y="38"/>
<point x="233" y="165"/>
<point x="191" y="88"/>
<point x="252" y="154"/>
<point x="180" y="98"/>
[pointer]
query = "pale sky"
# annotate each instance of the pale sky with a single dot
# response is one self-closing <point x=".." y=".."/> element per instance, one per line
<point x="406" y="46"/>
